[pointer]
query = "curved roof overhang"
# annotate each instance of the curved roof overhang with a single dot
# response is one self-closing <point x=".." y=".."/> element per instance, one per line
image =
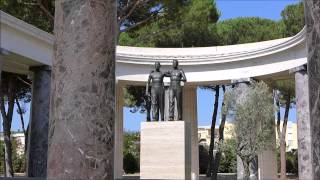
<point x="23" y="45"/>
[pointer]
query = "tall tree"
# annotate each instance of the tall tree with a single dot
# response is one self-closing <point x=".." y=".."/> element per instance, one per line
<point x="247" y="30"/>
<point x="253" y="121"/>
<point x="36" y="12"/>
<point x="284" y="98"/>
<point x="10" y="90"/>
<point x="293" y="19"/>
<point x="212" y="130"/>
<point x="189" y="23"/>
<point x="224" y="111"/>
<point x="7" y="120"/>
<point x="40" y="13"/>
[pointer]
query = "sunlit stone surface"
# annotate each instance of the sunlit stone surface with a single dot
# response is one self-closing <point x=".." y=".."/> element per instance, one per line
<point x="165" y="150"/>
<point x="303" y="121"/>
<point x="312" y="13"/>
<point x="81" y="129"/>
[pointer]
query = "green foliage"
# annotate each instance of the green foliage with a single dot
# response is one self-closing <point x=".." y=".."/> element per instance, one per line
<point x="293" y="19"/>
<point x="23" y="90"/>
<point x="130" y="164"/>
<point x="247" y="30"/>
<point x="131" y="152"/>
<point x="286" y="88"/>
<point x="135" y="98"/>
<point x="18" y="160"/>
<point x="254" y="117"/>
<point x="291" y="161"/>
<point x="198" y="24"/>
<point x="30" y="12"/>
<point x="203" y="158"/>
<point x="143" y="11"/>
<point x="188" y="24"/>
<point x="228" y="162"/>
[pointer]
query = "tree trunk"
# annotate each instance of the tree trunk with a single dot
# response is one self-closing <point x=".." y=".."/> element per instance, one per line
<point x="21" y="117"/>
<point x="213" y="125"/>
<point x="7" y="151"/>
<point x="283" y="140"/>
<point x="246" y="168"/>
<point x="216" y="162"/>
<point x="276" y="95"/>
<point x="221" y="138"/>
<point x="7" y="120"/>
<point x="82" y="105"/>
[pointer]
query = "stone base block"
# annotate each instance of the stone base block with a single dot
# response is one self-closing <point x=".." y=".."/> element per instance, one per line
<point x="165" y="150"/>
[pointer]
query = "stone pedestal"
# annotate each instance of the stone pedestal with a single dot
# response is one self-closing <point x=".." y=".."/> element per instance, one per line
<point x="165" y="150"/>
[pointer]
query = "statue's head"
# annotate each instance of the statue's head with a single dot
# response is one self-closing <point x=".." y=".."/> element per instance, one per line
<point x="175" y="64"/>
<point x="157" y="66"/>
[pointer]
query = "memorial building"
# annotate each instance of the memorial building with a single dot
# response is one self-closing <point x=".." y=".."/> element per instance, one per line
<point x="26" y="49"/>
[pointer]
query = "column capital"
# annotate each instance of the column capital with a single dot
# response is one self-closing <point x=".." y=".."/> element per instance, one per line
<point x="40" y="68"/>
<point x="302" y="68"/>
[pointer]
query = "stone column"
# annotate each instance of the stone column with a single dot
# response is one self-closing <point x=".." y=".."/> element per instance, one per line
<point x="303" y="121"/>
<point x="82" y="109"/>
<point x="39" y="120"/>
<point x="312" y="13"/>
<point x="190" y="115"/>
<point x="118" y="144"/>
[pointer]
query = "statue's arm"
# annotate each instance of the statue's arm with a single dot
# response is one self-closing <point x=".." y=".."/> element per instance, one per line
<point x="148" y="84"/>
<point x="184" y="78"/>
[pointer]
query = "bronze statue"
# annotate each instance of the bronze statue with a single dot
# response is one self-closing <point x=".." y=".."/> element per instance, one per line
<point x="147" y="104"/>
<point x="157" y="92"/>
<point x="175" y="90"/>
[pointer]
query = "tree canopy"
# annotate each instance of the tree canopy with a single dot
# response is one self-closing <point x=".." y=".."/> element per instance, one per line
<point x="293" y="19"/>
<point x="248" y="29"/>
<point x="188" y="24"/>
<point x="36" y="12"/>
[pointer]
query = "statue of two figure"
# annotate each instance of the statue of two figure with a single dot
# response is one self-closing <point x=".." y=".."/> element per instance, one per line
<point x="156" y="97"/>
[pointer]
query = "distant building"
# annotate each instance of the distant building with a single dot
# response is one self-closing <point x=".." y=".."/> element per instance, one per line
<point x="19" y="137"/>
<point x="291" y="135"/>
<point x="204" y="134"/>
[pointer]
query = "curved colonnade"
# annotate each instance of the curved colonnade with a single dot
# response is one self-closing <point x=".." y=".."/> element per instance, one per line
<point x="23" y="47"/>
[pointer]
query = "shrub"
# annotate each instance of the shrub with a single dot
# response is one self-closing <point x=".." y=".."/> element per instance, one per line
<point x="130" y="164"/>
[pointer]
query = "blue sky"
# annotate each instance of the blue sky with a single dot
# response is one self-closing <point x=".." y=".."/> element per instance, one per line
<point x="270" y="9"/>
<point x="229" y="9"/>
